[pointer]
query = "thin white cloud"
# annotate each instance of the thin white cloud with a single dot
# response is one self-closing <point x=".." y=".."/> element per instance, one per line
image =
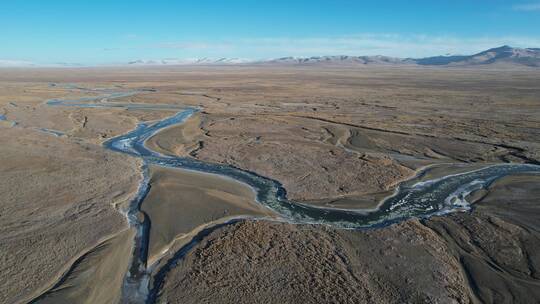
<point x="191" y="46"/>
<point x="131" y="36"/>
<point x="528" y="7"/>
<point x="15" y="63"/>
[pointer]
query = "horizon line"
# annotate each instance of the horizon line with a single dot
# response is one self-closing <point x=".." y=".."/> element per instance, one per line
<point x="14" y="63"/>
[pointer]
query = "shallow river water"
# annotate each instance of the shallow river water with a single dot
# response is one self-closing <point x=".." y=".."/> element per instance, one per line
<point x="423" y="199"/>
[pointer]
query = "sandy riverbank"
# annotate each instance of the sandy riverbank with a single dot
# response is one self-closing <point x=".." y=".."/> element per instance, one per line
<point x="178" y="140"/>
<point x="180" y="201"/>
<point x="97" y="276"/>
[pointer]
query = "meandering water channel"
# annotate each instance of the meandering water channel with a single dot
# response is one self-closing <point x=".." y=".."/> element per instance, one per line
<point x="424" y="199"/>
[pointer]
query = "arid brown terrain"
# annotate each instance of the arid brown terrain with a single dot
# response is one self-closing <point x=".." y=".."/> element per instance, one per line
<point x="341" y="137"/>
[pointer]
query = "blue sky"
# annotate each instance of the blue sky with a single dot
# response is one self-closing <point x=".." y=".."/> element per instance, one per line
<point x="99" y="31"/>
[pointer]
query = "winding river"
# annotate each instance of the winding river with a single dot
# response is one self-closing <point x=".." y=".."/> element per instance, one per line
<point x="424" y="199"/>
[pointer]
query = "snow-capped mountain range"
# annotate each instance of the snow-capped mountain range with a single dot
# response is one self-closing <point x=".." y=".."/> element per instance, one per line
<point x="504" y="55"/>
<point x="205" y="60"/>
<point x="500" y="56"/>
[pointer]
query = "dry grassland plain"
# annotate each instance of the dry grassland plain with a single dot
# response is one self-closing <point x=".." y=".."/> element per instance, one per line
<point x="341" y="137"/>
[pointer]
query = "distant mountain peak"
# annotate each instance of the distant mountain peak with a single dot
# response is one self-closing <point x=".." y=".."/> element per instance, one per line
<point x="505" y="54"/>
<point x="502" y="48"/>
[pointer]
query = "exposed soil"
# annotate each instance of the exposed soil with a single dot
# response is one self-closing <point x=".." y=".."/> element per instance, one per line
<point x="280" y="263"/>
